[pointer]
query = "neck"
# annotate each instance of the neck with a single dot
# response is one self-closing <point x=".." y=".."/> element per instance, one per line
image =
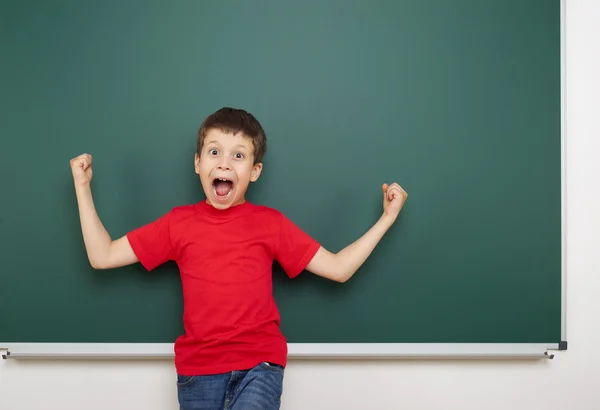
<point x="233" y="210"/>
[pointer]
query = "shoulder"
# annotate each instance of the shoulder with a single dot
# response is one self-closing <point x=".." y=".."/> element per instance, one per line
<point x="265" y="210"/>
<point x="183" y="210"/>
<point x="274" y="219"/>
<point x="267" y="219"/>
<point x="180" y="213"/>
<point x="265" y="215"/>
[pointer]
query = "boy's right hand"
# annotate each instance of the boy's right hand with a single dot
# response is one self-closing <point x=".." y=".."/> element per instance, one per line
<point x="81" y="166"/>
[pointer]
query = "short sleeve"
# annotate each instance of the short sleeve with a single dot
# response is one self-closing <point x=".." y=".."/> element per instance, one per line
<point x="152" y="242"/>
<point x="296" y="248"/>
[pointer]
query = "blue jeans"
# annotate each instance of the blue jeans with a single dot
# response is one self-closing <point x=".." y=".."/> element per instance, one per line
<point x="258" y="388"/>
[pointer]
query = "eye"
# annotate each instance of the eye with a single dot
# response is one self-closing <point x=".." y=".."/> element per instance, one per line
<point x="239" y="155"/>
<point x="213" y="152"/>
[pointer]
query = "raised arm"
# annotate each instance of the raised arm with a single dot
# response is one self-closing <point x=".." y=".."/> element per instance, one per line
<point x="342" y="265"/>
<point x="102" y="251"/>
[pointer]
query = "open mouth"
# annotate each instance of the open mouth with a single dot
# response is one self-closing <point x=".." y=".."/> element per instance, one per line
<point x="222" y="188"/>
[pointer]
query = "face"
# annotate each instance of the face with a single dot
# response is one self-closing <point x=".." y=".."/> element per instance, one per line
<point x="226" y="168"/>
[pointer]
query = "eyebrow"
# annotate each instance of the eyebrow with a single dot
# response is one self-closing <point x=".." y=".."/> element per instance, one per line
<point x="237" y="146"/>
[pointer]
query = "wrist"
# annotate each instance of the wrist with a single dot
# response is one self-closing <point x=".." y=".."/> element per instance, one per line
<point x="387" y="219"/>
<point x="83" y="188"/>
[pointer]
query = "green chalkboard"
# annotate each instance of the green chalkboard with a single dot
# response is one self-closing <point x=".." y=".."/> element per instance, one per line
<point x="458" y="101"/>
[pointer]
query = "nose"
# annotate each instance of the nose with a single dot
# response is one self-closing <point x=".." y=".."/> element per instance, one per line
<point x="223" y="164"/>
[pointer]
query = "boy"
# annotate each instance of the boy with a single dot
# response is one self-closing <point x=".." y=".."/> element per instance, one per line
<point x="232" y="354"/>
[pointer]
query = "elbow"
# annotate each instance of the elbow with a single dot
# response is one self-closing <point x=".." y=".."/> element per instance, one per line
<point x="342" y="272"/>
<point x="341" y="277"/>
<point x="98" y="264"/>
<point x="100" y="259"/>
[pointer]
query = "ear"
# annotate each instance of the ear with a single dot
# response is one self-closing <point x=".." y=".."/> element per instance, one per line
<point x="197" y="163"/>
<point x="256" y="172"/>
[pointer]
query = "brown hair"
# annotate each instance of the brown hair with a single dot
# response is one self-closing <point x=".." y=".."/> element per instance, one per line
<point x="232" y="120"/>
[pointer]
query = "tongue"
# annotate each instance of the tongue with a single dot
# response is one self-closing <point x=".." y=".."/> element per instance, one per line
<point x="223" y="187"/>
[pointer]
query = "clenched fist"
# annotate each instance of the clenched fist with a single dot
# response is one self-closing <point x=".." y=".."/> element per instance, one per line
<point x="393" y="199"/>
<point x="81" y="166"/>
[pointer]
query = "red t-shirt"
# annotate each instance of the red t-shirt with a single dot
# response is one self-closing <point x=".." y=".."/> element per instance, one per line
<point x="225" y="259"/>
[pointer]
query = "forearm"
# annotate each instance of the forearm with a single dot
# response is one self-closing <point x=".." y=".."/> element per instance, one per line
<point x="342" y="265"/>
<point x="354" y="255"/>
<point x="96" y="238"/>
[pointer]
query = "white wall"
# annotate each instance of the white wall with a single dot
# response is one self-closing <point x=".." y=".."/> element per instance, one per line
<point x="572" y="379"/>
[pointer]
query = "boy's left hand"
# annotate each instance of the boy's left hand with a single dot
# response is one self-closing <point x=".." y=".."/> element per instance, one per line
<point x="393" y="199"/>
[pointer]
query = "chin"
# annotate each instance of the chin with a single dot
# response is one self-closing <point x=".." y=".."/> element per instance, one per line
<point x="223" y="203"/>
<point x="218" y="205"/>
